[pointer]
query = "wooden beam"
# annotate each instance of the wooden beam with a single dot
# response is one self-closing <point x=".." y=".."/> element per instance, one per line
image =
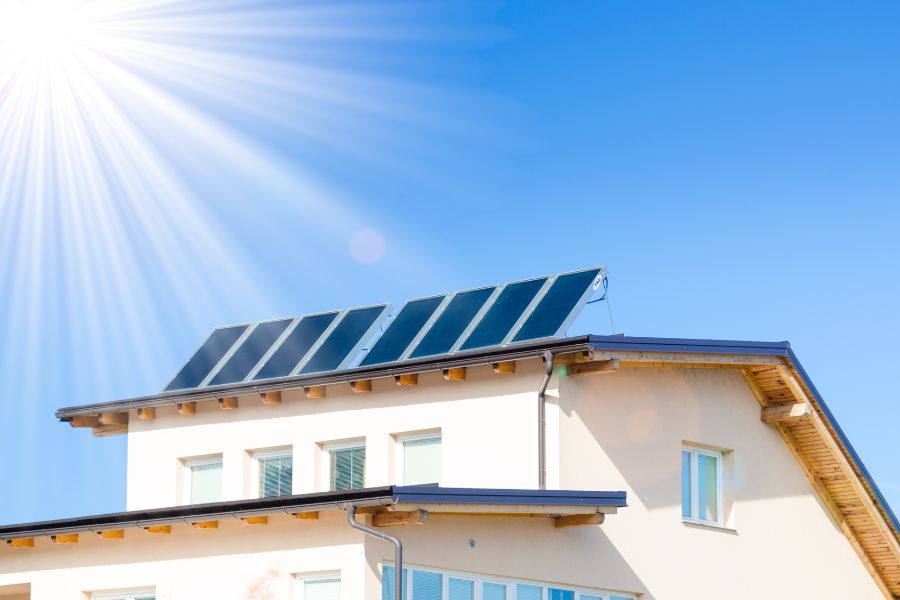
<point x="408" y="379"/>
<point x="504" y="368"/>
<point x="187" y="408"/>
<point x="755" y="388"/>
<point x="578" y="520"/>
<point x="205" y="525"/>
<point x="454" y="374"/>
<point x="160" y="529"/>
<point x="394" y="518"/>
<point x="146" y="414"/>
<point x="786" y="413"/>
<point x="258" y="520"/>
<point x="306" y="516"/>
<point x="65" y="538"/>
<point x="361" y="386"/>
<point x="85" y="421"/>
<point x="316" y="391"/>
<point x="593" y="368"/>
<point x="271" y="398"/>
<point x="112" y="534"/>
<point x="114" y="418"/>
<point x="679" y="360"/>
<point x="21" y="542"/>
<point x="108" y="430"/>
<point x="228" y="403"/>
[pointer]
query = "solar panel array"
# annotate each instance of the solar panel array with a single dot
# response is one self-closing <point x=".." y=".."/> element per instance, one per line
<point x="493" y="316"/>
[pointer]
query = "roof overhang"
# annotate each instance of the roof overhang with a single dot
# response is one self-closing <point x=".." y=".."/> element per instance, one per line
<point x="390" y="505"/>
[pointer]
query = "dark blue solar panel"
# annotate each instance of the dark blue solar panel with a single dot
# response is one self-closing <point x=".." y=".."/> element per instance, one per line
<point x="295" y="346"/>
<point x="250" y="352"/>
<point x="344" y="340"/>
<point x="557" y="304"/>
<point x="503" y="314"/>
<point x="208" y="356"/>
<point x="402" y="331"/>
<point x="452" y="322"/>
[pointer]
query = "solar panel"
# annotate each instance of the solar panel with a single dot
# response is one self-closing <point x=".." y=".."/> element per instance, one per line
<point x="452" y="322"/>
<point x="206" y="357"/>
<point x="402" y="331"/>
<point x="249" y="353"/>
<point x="346" y="339"/>
<point x="295" y="346"/>
<point x="504" y="313"/>
<point x="557" y="307"/>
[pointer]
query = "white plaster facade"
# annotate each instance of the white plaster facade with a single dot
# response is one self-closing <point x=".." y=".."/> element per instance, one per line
<point x="617" y="431"/>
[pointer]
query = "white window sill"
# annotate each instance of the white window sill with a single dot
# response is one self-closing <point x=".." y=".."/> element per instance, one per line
<point x="707" y="525"/>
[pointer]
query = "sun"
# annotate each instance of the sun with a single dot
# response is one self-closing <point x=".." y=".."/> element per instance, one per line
<point x="38" y="31"/>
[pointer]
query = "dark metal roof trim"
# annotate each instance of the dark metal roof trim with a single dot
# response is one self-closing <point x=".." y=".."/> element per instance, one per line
<point x="681" y="345"/>
<point x="378" y="496"/>
<point x="441" y="495"/>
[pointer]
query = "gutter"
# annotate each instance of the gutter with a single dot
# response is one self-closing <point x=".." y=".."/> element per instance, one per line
<point x="398" y="548"/>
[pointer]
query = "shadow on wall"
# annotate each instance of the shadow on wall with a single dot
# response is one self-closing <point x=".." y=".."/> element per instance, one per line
<point x="632" y="424"/>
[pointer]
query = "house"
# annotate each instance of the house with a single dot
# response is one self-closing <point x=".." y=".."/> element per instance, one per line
<point x="489" y="456"/>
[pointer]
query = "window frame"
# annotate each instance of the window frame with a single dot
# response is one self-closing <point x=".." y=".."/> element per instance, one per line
<point x="478" y="580"/>
<point x="719" y="455"/>
<point x="125" y="595"/>
<point x="328" y="448"/>
<point x="400" y="463"/>
<point x="256" y="472"/>
<point x="189" y="463"/>
<point x="300" y="581"/>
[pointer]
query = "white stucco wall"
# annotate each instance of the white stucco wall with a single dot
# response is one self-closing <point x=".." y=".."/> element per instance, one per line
<point x="621" y="431"/>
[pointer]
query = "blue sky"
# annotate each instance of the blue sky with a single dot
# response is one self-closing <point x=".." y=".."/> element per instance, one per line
<point x="735" y="165"/>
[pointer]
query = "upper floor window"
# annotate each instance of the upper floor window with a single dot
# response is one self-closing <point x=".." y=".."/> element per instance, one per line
<point x="274" y="473"/>
<point x="326" y="587"/>
<point x="701" y="485"/>
<point x="204" y="480"/>
<point x="420" y="459"/>
<point x="346" y="466"/>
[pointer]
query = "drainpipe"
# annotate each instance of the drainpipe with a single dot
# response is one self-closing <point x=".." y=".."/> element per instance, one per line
<point x="542" y="420"/>
<point x="398" y="548"/>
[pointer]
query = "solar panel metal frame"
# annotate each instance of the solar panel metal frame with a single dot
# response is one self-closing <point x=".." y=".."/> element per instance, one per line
<point x="284" y="336"/>
<point x="573" y="312"/>
<point x="197" y="349"/>
<point x="240" y="342"/>
<point x="354" y="353"/>
<point x="422" y="331"/>
<point x="490" y="303"/>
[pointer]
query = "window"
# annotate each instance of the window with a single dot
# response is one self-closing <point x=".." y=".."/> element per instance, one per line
<point x="204" y="480"/>
<point x="420" y="459"/>
<point x="320" y="588"/>
<point x="142" y="595"/>
<point x="701" y="485"/>
<point x="428" y="584"/>
<point x="346" y="466"/>
<point x="274" y="473"/>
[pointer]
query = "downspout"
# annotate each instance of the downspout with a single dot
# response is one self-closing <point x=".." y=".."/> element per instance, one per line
<point x="542" y="420"/>
<point x="398" y="548"/>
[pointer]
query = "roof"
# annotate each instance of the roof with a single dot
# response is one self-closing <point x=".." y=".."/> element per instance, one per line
<point x="771" y="369"/>
<point x="535" y="502"/>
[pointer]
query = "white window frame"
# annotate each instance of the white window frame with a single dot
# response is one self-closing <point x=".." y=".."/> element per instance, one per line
<point x="129" y="595"/>
<point x="284" y="451"/>
<point x="300" y="583"/>
<point x="719" y="455"/>
<point x="326" y="462"/>
<point x="510" y="583"/>
<point x="199" y="462"/>
<point x="399" y="463"/>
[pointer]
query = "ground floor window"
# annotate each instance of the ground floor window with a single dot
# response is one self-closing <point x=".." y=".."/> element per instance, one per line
<point x="429" y="584"/>
<point x="138" y="595"/>
<point x="326" y="587"/>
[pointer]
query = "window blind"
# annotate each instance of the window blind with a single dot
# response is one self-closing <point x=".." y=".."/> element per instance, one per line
<point x="322" y="589"/>
<point x="461" y="589"/>
<point x="427" y="585"/>
<point x="348" y="466"/>
<point x="276" y="475"/>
